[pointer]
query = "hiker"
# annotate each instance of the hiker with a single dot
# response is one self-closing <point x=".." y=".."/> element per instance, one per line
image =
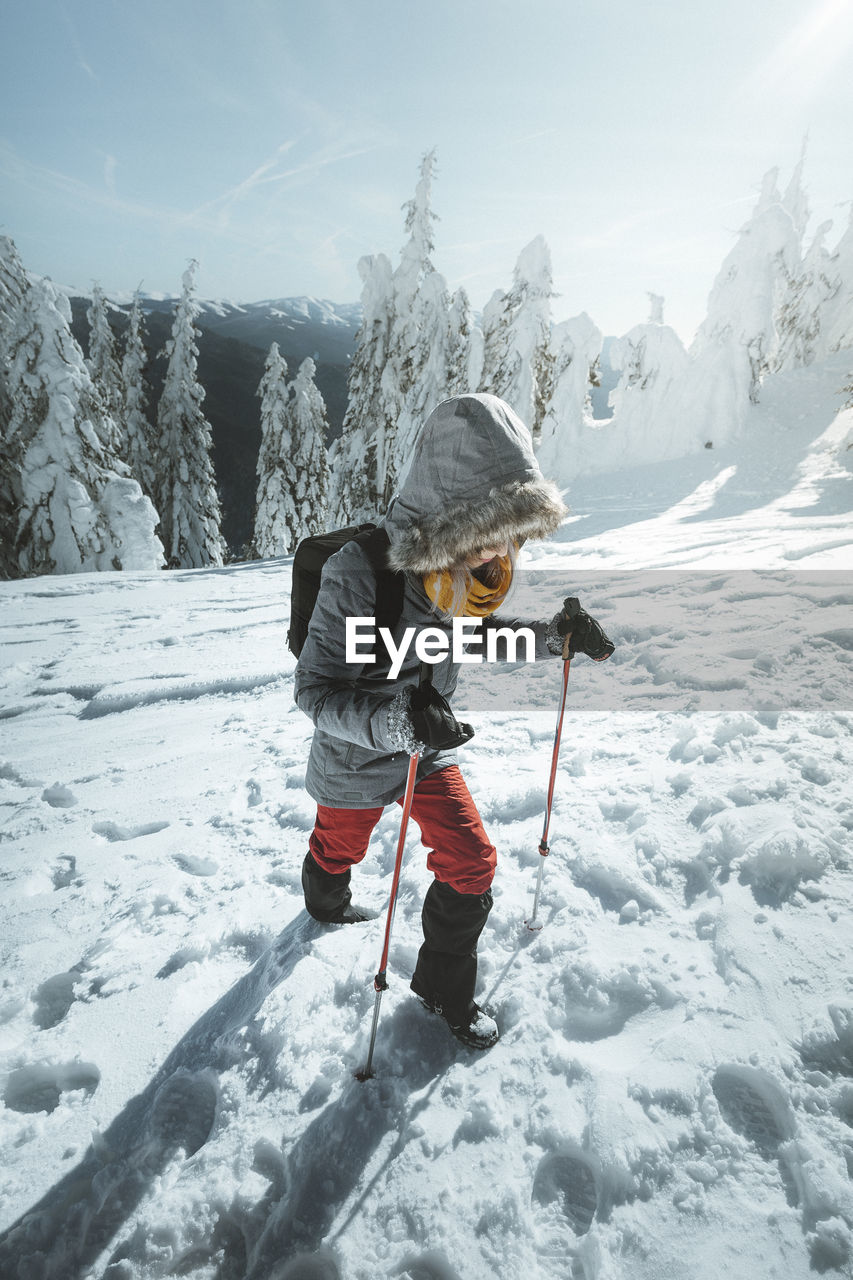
<point x="473" y="494"/>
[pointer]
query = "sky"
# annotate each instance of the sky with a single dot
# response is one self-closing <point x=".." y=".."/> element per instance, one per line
<point x="276" y="141"/>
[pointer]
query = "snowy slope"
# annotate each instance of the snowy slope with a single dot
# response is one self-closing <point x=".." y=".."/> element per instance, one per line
<point x="672" y="1095"/>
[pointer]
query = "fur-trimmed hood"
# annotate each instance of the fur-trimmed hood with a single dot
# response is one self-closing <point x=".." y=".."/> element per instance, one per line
<point x="473" y="482"/>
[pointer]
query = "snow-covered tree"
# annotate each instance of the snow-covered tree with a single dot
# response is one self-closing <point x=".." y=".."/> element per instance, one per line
<point x="517" y="360"/>
<point x="464" y="349"/>
<point x="737" y="341"/>
<point x="406" y="342"/>
<point x="293" y="474"/>
<point x="753" y="280"/>
<point x="306" y="411"/>
<point x="803" y="308"/>
<point x="139" y="433"/>
<point x="357" y="458"/>
<point x="275" y="467"/>
<point x="836" y="315"/>
<point x="415" y="377"/>
<point x="13" y="287"/>
<point x="186" y="496"/>
<point x="76" y="512"/>
<point x="650" y="358"/>
<point x="106" y="374"/>
<point x="568" y="431"/>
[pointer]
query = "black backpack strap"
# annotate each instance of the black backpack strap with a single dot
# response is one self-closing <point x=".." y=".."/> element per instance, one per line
<point x="390" y="584"/>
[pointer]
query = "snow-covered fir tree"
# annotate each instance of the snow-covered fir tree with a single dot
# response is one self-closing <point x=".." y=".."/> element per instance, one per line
<point x="306" y="415"/>
<point x="410" y="348"/>
<point x="293" y="474"/>
<point x="13" y="287"/>
<point x="567" y="428"/>
<point x="737" y="341"/>
<point x="275" y="461"/>
<point x="186" y="495"/>
<point x="518" y="360"/>
<point x="650" y="359"/>
<point x="357" y="459"/>
<point x="77" y="513"/>
<point x="106" y="374"/>
<point x="464" y="348"/>
<point x="415" y="377"/>
<point x="139" y="433"/>
<point x="836" y="314"/>
<point x="803" y="307"/>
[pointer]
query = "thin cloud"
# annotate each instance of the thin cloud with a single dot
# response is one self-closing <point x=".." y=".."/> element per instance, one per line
<point x="270" y="173"/>
<point x="76" y="44"/>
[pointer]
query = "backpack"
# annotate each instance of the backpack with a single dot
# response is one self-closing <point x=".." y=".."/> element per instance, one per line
<point x="312" y="553"/>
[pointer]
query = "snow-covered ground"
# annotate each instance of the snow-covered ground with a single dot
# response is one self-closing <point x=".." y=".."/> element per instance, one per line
<point x="672" y="1094"/>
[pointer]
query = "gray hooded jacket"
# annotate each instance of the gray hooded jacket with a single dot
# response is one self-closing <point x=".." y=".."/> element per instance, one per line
<point x="473" y="482"/>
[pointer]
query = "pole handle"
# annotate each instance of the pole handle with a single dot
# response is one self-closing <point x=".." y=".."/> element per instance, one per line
<point x="566" y="640"/>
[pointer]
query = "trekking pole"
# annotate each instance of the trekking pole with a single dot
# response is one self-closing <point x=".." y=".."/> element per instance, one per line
<point x="379" y="982"/>
<point x="533" y="923"/>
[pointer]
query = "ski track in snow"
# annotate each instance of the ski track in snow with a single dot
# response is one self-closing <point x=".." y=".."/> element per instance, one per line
<point x="672" y="1094"/>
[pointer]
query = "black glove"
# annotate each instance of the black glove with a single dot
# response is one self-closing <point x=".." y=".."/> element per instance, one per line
<point x="433" y="721"/>
<point x="587" y="635"/>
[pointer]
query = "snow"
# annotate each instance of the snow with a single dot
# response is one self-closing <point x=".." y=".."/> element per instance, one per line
<point x="671" y="1095"/>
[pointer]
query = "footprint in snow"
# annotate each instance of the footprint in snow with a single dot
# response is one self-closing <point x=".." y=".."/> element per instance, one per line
<point x="113" y="832"/>
<point x="183" y="1112"/>
<point x="54" y="998"/>
<point x="64" y="874"/>
<point x="757" y="1109"/>
<point x="753" y="1107"/>
<point x="59" y="797"/>
<point x="40" y="1086"/>
<point x="427" y="1266"/>
<point x="829" y="1047"/>
<point x="309" y="1266"/>
<point x="195" y="865"/>
<point x="569" y="1182"/>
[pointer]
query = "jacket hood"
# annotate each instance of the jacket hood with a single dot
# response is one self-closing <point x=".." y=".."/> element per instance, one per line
<point x="473" y="481"/>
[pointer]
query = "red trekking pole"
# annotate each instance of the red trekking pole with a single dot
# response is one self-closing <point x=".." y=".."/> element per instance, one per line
<point x="379" y="982"/>
<point x="544" y="847"/>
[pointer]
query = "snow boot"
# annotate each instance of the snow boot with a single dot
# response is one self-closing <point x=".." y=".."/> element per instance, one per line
<point x="477" y="1030"/>
<point x="327" y="896"/>
<point x="446" y="972"/>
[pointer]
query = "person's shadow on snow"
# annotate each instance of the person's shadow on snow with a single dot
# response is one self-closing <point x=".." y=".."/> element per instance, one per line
<point x="62" y="1235"/>
<point x="289" y="1225"/>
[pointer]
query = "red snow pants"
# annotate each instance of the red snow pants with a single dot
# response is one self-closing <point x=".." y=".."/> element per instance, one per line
<point x="460" y="853"/>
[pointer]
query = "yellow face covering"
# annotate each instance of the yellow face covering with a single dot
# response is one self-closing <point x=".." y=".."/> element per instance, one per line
<point x="481" y="600"/>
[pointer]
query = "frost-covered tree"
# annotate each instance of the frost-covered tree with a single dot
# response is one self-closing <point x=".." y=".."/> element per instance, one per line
<point x="464" y="348"/>
<point x="737" y="341"/>
<point x="275" y="467"/>
<point x="77" y="513"/>
<point x="306" y="412"/>
<point x="568" y="430"/>
<point x="802" y="310"/>
<point x="745" y="298"/>
<point x="517" y="360"/>
<point x="13" y="287"/>
<point x="400" y="371"/>
<point x="357" y="459"/>
<point x="139" y="433"/>
<point x="293" y="474"/>
<point x="186" y="496"/>
<point x="415" y="377"/>
<point x="836" y="314"/>
<point x="649" y="358"/>
<point x="106" y="374"/>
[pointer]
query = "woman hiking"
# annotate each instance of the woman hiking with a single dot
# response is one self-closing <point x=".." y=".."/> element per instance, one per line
<point x="473" y="494"/>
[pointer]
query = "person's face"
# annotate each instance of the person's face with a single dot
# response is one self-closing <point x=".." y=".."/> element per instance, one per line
<point x="484" y="554"/>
